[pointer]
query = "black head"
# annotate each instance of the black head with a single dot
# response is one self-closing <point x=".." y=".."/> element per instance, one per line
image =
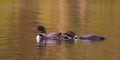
<point x="42" y="29"/>
<point x="70" y="34"/>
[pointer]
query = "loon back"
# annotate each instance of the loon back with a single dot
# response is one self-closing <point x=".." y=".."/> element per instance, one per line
<point x="92" y="37"/>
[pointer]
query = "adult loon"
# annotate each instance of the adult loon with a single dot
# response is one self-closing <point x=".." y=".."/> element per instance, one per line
<point x="43" y="38"/>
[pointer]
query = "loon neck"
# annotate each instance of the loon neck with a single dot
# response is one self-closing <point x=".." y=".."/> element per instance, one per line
<point x="42" y="34"/>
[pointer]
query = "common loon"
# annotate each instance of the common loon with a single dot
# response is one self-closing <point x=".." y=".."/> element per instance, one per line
<point x="74" y="36"/>
<point x="43" y="38"/>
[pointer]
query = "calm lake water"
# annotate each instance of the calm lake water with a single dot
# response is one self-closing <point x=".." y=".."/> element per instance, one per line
<point x="19" y="18"/>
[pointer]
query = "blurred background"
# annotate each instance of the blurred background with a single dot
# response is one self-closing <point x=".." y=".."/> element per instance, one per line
<point x="19" y="19"/>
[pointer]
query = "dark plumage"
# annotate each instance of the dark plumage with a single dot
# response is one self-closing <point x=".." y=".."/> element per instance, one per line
<point x="43" y="38"/>
<point x="42" y="29"/>
<point x="70" y="34"/>
<point x="73" y="35"/>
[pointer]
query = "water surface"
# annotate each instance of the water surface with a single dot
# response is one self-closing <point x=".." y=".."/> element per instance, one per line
<point x="19" y="18"/>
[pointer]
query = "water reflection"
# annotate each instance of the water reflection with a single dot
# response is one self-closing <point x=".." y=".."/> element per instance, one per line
<point x="54" y="52"/>
<point x="28" y="12"/>
<point x="18" y="17"/>
<point x="65" y="14"/>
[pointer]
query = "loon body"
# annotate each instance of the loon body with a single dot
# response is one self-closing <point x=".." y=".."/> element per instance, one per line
<point x="74" y="36"/>
<point x="51" y="38"/>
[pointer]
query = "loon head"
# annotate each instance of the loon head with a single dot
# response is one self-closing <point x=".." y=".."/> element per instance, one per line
<point x="42" y="29"/>
<point x="70" y="34"/>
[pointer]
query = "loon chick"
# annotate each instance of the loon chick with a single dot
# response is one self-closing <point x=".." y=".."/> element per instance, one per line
<point x="74" y="36"/>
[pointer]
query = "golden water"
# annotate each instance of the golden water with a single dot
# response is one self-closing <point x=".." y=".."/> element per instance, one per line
<point x="19" y="18"/>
